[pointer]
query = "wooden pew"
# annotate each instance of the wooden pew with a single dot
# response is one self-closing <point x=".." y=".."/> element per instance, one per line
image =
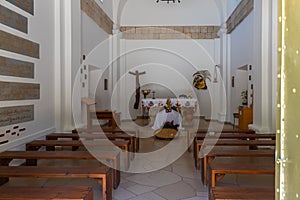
<point x="226" y="131"/>
<point x="112" y="116"/>
<point x="46" y="193"/>
<point x="242" y="193"/>
<point x="192" y="134"/>
<point x="219" y="170"/>
<point x="241" y="136"/>
<point x="50" y="145"/>
<point x="32" y="156"/>
<point x="210" y="156"/>
<point x="102" y="174"/>
<point x="271" y="136"/>
<point x="100" y="135"/>
<point x="229" y="142"/>
<point x="134" y="133"/>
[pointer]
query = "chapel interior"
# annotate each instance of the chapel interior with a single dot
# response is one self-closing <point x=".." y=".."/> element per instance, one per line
<point x="149" y="99"/>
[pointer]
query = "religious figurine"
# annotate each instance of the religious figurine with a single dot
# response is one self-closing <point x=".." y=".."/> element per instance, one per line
<point x="200" y="77"/>
<point x="168" y="107"/>
<point x="137" y="87"/>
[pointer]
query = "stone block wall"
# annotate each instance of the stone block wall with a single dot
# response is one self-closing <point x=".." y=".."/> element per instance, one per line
<point x="26" y="5"/>
<point x="12" y="117"/>
<point x="13" y="19"/>
<point x="16" y="44"/>
<point x="17" y="68"/>
<point x="239" y="14"/>
<point x="96" y="13"/>
<point x="169" y="32"/>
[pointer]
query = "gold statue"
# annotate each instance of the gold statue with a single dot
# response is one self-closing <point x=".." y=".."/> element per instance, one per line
<point x="168" y="107"/>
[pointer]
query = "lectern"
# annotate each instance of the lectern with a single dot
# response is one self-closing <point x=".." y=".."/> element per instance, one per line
<point x="88" y="102"/>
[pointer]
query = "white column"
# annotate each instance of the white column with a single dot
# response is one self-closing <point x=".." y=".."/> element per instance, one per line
<point x="262" y="66"/>
<point x="67" y="59"/>
<point x="57" y="66"/>
<point x="115" y="68"/>
<point x="123" y="71"/>
<point x="64" y="68"/>
<point x="224" y="80"/>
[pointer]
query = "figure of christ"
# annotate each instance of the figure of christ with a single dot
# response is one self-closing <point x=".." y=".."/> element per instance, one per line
<point x="137" y="87"/>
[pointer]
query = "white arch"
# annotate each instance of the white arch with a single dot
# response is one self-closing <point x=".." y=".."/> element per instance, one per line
<point x="192" y="12"/>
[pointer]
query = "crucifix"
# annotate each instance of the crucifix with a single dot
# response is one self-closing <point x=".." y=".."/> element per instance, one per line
<point x="137" y="87"/>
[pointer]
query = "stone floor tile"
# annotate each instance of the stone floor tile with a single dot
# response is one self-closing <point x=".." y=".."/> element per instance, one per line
<point x="180" y="190"/>
<point x="140" y="189"/>
<point x="122" y="194"/>
<point x="148" y="196"/>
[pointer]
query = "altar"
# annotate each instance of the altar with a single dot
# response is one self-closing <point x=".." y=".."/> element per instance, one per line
<point x="186" y="107"/>
<point x="164" y="116"/>
<point x="175" y="102"/>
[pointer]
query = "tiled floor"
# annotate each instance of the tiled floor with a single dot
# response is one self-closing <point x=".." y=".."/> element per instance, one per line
<point x="178" y="180"/>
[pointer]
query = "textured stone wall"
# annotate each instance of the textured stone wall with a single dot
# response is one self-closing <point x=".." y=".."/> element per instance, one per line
<point x="16" y="114"/>
<point x="239" y="14"/>
<point x="169" y="32"/>
<point x="10" y="42"/>
<point x="95" y="12"/>
<point x="26" y="5"/>
<point x="18" y="68"/>
<point x="18" y="91"/>
<point x="13" y="19"/>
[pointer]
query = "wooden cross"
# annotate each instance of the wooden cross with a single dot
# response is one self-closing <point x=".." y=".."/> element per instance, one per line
<point x="137" y="87"/>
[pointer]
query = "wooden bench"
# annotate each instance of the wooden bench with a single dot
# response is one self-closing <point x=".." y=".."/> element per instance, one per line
<point x="225" y="131"/>
<point x="271" y="136"/>
<point x="241" y="136"/>
<point x="242" y="193"/>
<point x="228" y="142"/>
<point x="134" y="133"/>
<point x="32" y="156"/>
<point x="46" y="193"/>
<point x="112" y="116"/>
<point x="192" y="134"/>
<point x="97" y="135"/>
<point x="219" y="170"/>
<point x="210" y="156"/>
<point x="102" y="174"/>
<point x="51" y="144"/>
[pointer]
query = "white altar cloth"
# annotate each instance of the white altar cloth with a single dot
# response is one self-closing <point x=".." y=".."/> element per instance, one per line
<point x="174" y="101"/>
<point x="163" y="117"/>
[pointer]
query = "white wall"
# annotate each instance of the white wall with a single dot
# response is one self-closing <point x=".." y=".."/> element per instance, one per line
<point x="171" y="63"/>
<point x="241" y="53"/>
<point x="95" y="45"/>
<point x="40" y="30"/>
<point x="107" y="7"/>
<point x="191" y="12"/>
<point x="265" y="65"/>
<point x="231" y="5"/>
<point x="241" y="84"/>
<point x="251" y="43"/>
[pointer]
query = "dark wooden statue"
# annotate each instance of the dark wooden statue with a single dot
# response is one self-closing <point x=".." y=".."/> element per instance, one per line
<point x="137" y="87"/>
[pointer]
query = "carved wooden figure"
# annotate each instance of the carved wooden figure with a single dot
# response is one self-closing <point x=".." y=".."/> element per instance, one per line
<point x="137" y="87"/>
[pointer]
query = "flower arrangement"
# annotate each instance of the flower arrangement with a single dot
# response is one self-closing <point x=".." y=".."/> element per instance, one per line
<point x="244" y="96"/>
<point x="171" y="125"/>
